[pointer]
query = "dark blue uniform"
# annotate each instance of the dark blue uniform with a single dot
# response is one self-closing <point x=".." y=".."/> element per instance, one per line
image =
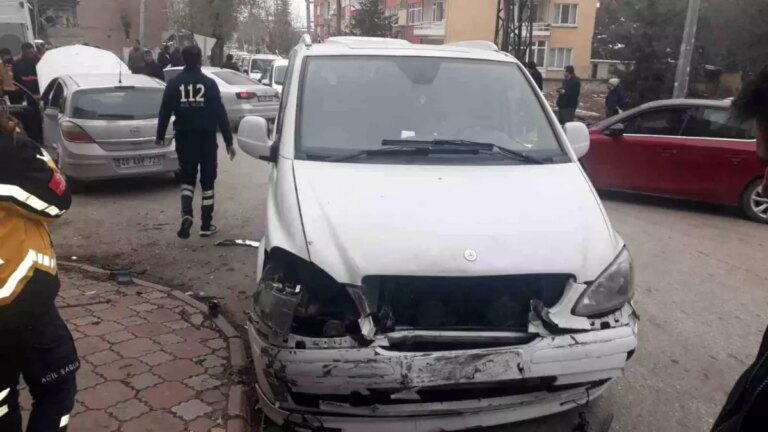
<point x="195" y="100"/>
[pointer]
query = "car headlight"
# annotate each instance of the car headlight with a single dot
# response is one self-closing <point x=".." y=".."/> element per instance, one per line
<point x="610" y="291"/>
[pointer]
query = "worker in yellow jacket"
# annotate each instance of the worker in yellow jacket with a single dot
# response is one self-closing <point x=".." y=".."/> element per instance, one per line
<point x="34" y="340"/>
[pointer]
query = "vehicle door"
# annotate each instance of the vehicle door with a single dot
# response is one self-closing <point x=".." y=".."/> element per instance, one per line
<point x="53" y="100"/>
<point x="266" y="79"/>
<point x="639" y="160"/>
<point x="718" y="157"/>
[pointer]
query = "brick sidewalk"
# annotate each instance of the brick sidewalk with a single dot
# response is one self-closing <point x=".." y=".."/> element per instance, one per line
<point x="150" y="360"/>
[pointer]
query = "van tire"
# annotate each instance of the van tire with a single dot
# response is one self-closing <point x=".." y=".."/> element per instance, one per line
<point x="750" y="192"/>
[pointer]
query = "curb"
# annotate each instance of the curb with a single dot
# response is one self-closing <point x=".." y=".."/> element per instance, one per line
<point x="237" y="399"/>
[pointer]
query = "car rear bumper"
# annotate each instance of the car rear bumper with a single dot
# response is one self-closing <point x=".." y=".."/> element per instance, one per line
<point x="563" y="371"/>
<point x="238" y="113"/>
<point x="91" y="162"/>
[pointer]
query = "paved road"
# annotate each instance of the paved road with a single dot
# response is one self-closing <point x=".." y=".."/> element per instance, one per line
<point x="701" y="288"/>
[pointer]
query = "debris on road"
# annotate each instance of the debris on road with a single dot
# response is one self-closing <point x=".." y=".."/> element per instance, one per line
<point x="238" y="242"/>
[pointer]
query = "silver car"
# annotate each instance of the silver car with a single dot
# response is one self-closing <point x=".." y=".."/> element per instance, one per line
<point x="242" y="96"/>
<point x="103" y="125"/>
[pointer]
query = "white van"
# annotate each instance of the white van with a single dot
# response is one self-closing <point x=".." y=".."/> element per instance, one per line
<point x="435" y="258"/>
<point x="15" y="25"/>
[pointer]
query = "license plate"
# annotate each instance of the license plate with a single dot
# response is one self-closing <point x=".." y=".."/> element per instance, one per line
<point x="265" y="98"/>
<point x="138" y="161"/>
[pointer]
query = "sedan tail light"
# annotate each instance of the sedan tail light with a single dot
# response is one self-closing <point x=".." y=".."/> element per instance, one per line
<point x="245" y="95"/>
<point x="74" y="133"/>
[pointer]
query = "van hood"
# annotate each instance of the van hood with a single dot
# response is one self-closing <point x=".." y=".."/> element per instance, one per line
<point x="416" y="220"/>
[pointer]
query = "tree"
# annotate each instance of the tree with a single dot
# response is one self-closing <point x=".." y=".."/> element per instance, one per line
<point x="369" y="19"/>
<point x="282" y="35"/>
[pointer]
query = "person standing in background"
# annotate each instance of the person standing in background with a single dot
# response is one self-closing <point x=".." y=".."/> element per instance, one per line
<point x="568" y="98"/>
<point x="230" y="63"/>
<point x="151" y="67"/>
<point x="533" y="69"/>
<point x="616" y="100"/>
<point x="136" y="58"/>
<point x="25" y="70"/>
<point x="164" y="56"/>
<point x="176" y="60"/>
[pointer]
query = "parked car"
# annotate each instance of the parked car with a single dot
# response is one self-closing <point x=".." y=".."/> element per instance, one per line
<point x="435" y="258"/>
<point x="691" y="149"/>
<point x="242" y="96"/>
<point x="103" y="126"/>
<point x="275" y="76"/>
<point x="258" y="64"/>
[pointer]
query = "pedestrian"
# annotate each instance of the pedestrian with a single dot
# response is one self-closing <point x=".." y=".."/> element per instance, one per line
<point x="533" y="69"/>
<point x="176" y="60"/>
<point x="229" y="63"/>
<point x="164" y="56"/>
<point x="34" y="340"/>
<point x="15" y="96"/>
<point x="568" y="96"/>
<point x="25" y="71"/>
<point x="744" y="409"/>
<point x="194" y="99"/>
<point x="616" y="100"/>
<point x="136" y="57"/>
<point x="151" y="67"/>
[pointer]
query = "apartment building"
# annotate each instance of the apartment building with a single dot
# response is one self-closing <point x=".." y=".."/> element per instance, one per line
<point x="326" y="16"/>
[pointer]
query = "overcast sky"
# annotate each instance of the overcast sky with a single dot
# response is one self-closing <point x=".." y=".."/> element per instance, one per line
<point x="299" y="12"/>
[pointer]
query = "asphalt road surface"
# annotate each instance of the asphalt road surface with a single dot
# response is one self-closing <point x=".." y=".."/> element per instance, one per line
<point x="701" y="288"/>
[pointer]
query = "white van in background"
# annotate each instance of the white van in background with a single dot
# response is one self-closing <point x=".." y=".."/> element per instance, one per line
<point x="15" y="25"/>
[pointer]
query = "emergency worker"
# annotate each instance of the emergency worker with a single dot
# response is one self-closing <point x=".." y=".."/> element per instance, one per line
<point x="194" y="99"/>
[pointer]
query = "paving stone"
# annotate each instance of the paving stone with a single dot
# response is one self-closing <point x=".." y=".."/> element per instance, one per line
<point x="70" y="313"/>
<point x="167" y="303"/>
<point x="160" y="315"/>
<point x="102" y="357"/>
<point x="237" y="425"/>
<point x="101" y="328"/>
<point x="167" y="339"/>
<point x="136" y="347"/>
<point x="196" y="335"/>
<point x="237" y="402"/>
<point x="237" y="353"/>
<point x="122" y="369"/>
<point x="187" y="350"/>
<point x="132" y="321"/>
<point x="114" y="314"/>
<point x="212" y="396"/>
<point x="202" y="382"/>
<point x="215" y="371"/>
<point x="84" y="320"/>
<point x="99" y="306"/>
<point x="68" y="293"/>
<point x="216" y="344"/>
<point x="76" y="334"/>
<point x="222" y="353"/>
<point x="154" y="421"/>
<point x="145" y="380"/>
<point x="217" y="429"/>
<point x="105" y="395"/>
<point x="78" y="407"/>
<point x="86" y="378"/>
<point x="90" y="344"/>
<point x="117" y="337"/>
<point x="202" y="424"/>
<point x="130" y="300"/>
<point x="178" y="370"/>
<point x="164" y="396"/>
<point x="191" y="409"/>
<point x="210" y="361"/>
<point x="149" y="329"/>
<point x="143" y="307"/>
<point x="93" y="421"/>
<point x="156" y="358"/>
<point x="152" y="295"/>
<point x="176" y="325"/>
<point x="128" y="409"/>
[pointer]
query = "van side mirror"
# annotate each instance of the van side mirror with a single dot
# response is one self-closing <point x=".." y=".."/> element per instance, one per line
<point x="615" y="130"/>
<point x="253" y="139"/>
<point x="578" y="136"/>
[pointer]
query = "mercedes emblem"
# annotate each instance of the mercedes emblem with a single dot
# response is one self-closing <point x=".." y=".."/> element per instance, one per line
<point x="470" y="255"/>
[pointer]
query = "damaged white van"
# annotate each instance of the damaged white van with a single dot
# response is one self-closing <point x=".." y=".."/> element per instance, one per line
<point x="435" y="258"/>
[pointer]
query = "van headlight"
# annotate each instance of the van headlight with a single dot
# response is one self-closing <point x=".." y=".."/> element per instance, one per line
<point x="610" y="291"/>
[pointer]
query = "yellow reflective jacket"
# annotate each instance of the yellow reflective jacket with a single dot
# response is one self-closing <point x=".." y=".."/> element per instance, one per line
<point x="33" y="194"/>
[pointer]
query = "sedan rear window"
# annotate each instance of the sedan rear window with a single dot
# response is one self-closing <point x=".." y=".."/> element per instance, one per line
<point x="117" y="103"/>
<point x="234" y="78"/>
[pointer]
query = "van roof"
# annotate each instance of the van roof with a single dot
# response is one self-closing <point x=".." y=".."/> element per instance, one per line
<point x="350" y="45"/>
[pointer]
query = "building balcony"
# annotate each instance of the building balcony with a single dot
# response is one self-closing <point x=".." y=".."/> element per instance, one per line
<point x="429" y="29"/>
<point x="539" y="29"/>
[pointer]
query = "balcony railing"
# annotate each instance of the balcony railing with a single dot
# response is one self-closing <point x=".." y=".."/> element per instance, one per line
<point x="427" y="28"/>
<point x="539" y="28"/>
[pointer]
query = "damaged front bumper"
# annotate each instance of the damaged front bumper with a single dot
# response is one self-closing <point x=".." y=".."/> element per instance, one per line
<point x="380" y="389"/>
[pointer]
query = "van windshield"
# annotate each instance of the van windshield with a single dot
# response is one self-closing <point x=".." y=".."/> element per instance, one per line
<point x="354" y="103"/>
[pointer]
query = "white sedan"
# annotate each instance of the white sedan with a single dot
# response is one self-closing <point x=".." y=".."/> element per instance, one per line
<point x="242" y="95"/>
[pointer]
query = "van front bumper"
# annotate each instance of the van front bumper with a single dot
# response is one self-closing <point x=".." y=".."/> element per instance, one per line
<point x="575" y="367"/>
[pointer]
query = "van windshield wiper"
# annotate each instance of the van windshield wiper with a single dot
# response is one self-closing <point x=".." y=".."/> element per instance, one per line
<point x="468" y="144"/>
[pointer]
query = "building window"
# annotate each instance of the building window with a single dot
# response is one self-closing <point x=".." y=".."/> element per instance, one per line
<point x="538" y="53"/>
<point x="438" y="11"/>
<point x="565" y="14"/>
<point x="393" y="13"/>
<point x="559" y="58"/>
<point x="414" y="13"/>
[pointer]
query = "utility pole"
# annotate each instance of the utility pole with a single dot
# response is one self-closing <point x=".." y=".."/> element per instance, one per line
<point x="338" y="17"/>
<point x="309" y="17"/>
<point x="141" y="21"/>
<point x="683" y="74"/>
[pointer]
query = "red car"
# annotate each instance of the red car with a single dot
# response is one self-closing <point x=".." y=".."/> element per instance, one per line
<point x="684" y="148"/>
